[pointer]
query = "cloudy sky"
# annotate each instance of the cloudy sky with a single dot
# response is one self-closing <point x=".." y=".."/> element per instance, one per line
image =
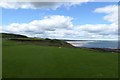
<point x="61" y="20"/>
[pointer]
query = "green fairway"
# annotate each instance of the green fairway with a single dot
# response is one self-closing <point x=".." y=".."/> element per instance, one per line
<point x="35" y="61"/>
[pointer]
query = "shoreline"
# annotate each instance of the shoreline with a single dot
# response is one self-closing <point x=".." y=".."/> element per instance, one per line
<point x="98" y="48"/>
<point x="102" y="49"/>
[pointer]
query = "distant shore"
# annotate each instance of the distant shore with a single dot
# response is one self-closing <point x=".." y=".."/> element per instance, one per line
<point x="102" y="49"/>
<point x="93" y="46"/>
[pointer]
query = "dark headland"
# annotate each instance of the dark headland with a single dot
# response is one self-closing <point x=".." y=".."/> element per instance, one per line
<point x="48" y="42"/>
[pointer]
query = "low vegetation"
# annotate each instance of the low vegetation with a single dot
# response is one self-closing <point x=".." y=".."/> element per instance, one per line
<point x="36" y="41"/>
<point x="46" y="58"/>
<point x="8" y="35"/>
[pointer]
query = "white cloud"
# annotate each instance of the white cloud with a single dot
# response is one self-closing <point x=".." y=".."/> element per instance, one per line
<point x="29" y="5"/>
<point x="99" y="28"/>
<point x="39" y="5"/>
<point x="98" y="31"/>
<point x="0" y="29"/>
<point x="61" y="27"/>
<point x="48" y="23"/>
<point x="110" y="30"/>
<point x="54" y="21"/>
<point x="111" y="11"/>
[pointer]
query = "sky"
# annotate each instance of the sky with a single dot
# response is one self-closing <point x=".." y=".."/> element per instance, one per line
<point x="61" y="20"/>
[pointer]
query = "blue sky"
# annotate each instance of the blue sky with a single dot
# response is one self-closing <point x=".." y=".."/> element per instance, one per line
<point x="82" y="14"/>
<point x="61" y="20"/>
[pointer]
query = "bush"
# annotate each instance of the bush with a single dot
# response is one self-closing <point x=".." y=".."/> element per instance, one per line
<point x="47" y="39"/>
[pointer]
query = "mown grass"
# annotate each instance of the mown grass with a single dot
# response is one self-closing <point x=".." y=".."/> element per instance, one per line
<point x="35" y="61"/>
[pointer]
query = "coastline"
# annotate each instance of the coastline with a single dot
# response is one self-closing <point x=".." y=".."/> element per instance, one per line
<point x="80" y="44"/>
<point x="102" y="49"/>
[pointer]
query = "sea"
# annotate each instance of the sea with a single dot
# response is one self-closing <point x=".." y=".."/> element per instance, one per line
<point x="95" y="44"/>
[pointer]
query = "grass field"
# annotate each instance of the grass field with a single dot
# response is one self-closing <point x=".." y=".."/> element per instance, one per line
<point x="34" y="61"/>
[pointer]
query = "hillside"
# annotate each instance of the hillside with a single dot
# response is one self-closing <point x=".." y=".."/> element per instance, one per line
<point x="36" y="41"/>
<point x="35" y="61"/>
<point x="9" y="35"/>
<point x="52" y="58"/>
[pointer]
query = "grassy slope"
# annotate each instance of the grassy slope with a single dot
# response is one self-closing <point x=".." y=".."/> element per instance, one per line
<point x="22" y="60"/>
<point x="8" y="35"/>
<point x="35" y="41"/>
<point x="43" y="42"/>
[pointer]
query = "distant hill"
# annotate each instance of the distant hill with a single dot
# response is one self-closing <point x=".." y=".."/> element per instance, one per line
<point x="9" y="35"/>
<point x="35" y="41"/>
<point x="43" y="42"/>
